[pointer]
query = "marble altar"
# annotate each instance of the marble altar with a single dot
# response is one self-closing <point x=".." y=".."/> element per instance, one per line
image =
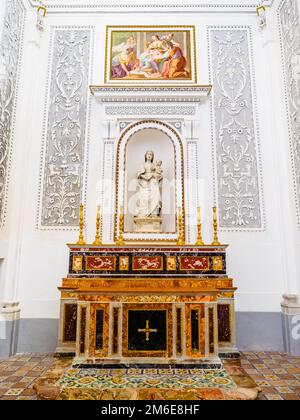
<point x="147" y="304"/>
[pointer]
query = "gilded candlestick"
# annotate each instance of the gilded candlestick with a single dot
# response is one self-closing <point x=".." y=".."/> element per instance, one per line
<point x="180" y="240"/>
<point x="216" y="241"/>
<point x="120" y="241"/>
<point x="199" y="228"/>
<point x="97" y="240"/>
<point x="81" y="240"/>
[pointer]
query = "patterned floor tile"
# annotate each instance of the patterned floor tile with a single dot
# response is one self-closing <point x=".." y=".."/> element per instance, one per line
<point x="276" y="374"/>
<point x="274" y="397"/>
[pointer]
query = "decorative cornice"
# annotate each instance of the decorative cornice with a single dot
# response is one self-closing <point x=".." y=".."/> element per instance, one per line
<point x="55" y="6"/>
<point x="195" y="93"/>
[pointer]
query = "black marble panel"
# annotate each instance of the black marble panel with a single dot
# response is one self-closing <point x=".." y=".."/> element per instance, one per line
<point x="82" y="330"/>
<point x="195" y="329"/>
<point x="141" y="336"/>
<point x="115" y="330"/>
<point x="99" y="329"/>
<point x="178" y="331"/>
<point x="70" y="322"/>
<point x="224" y="329"/>
<point x="211" y="330"/>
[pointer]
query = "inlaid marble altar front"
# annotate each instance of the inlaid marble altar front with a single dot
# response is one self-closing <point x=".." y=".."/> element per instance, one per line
<point x="147" y="304"/>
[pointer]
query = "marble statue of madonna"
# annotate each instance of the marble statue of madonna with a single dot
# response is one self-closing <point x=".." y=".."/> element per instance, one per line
<point x="149" y="195"/>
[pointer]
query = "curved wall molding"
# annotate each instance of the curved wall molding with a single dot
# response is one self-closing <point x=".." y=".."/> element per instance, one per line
<point x="11" y="49"/>
<point x="289" y="24"/>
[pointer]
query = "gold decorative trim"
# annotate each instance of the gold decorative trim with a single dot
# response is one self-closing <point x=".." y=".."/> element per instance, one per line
<point x="124" y="263"/>
<point x="171" y="263"/>
<point x="81" y="240"/>
<point x="101" y="298"/>
<point x="217" y="263"/>
<point x="77" y="262"/>
<point x="43" y="8"/>
<point x="151" y="283"/>
<point x="216" y="241"/>
<point x="98" y="240"/>
<point x="261" y="7"/>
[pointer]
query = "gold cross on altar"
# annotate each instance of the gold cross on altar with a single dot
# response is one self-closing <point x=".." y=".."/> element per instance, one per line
<point x="147" y="330"/>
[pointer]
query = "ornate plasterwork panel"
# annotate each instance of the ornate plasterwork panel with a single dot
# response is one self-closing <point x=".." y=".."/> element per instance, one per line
<point x="235" y="132"/>
<point x="290" y="40"/>
<point x="10" y="51"/>
<point x="64" y="152"/>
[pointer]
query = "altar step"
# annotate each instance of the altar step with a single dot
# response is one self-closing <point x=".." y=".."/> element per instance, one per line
<point x="113" y="364"/>
<point x="63" y="381"/>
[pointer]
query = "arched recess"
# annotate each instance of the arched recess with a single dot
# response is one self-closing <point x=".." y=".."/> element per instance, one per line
<point x="139" y="133"/>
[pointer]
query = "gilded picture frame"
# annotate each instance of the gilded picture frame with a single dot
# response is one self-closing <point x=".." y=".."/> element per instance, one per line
<point x="150" y="55"/>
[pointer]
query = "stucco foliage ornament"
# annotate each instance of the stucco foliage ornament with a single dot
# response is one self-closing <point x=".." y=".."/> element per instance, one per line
<point x="236" y="148"/>
<point x="63" y="175"/>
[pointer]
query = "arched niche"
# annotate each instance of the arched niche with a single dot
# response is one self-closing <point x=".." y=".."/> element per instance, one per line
<point x="166" y="144"/>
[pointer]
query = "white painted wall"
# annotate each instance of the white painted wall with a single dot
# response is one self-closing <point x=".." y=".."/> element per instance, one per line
<point x="263" y="264"/>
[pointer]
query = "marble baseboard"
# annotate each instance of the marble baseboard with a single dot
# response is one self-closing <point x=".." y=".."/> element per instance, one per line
<point x="9" y="333"/>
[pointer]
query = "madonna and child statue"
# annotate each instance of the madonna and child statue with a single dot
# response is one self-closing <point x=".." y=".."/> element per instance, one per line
<point x="148" y="214"/>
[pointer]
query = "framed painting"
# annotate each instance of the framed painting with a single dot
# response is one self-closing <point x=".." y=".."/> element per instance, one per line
<point x="150" y="55"/>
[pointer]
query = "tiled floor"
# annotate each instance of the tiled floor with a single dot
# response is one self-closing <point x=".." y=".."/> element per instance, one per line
<point x="277" y="375"/>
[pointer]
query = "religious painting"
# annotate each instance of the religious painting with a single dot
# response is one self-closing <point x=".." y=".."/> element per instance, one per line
<point x="150" y="53"/>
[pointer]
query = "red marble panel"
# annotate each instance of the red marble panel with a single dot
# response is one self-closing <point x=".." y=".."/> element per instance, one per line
<point x="194" y="264"/>
<point x="147" y="263"/>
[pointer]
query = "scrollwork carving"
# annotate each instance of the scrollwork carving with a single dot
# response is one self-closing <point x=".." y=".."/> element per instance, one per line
<point x="235" y="135"/>
<point x="64" y="158"/>
<point x="150" y="110"/>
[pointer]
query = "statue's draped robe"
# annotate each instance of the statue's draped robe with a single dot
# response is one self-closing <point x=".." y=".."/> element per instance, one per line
<point x="149" y="201"/>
